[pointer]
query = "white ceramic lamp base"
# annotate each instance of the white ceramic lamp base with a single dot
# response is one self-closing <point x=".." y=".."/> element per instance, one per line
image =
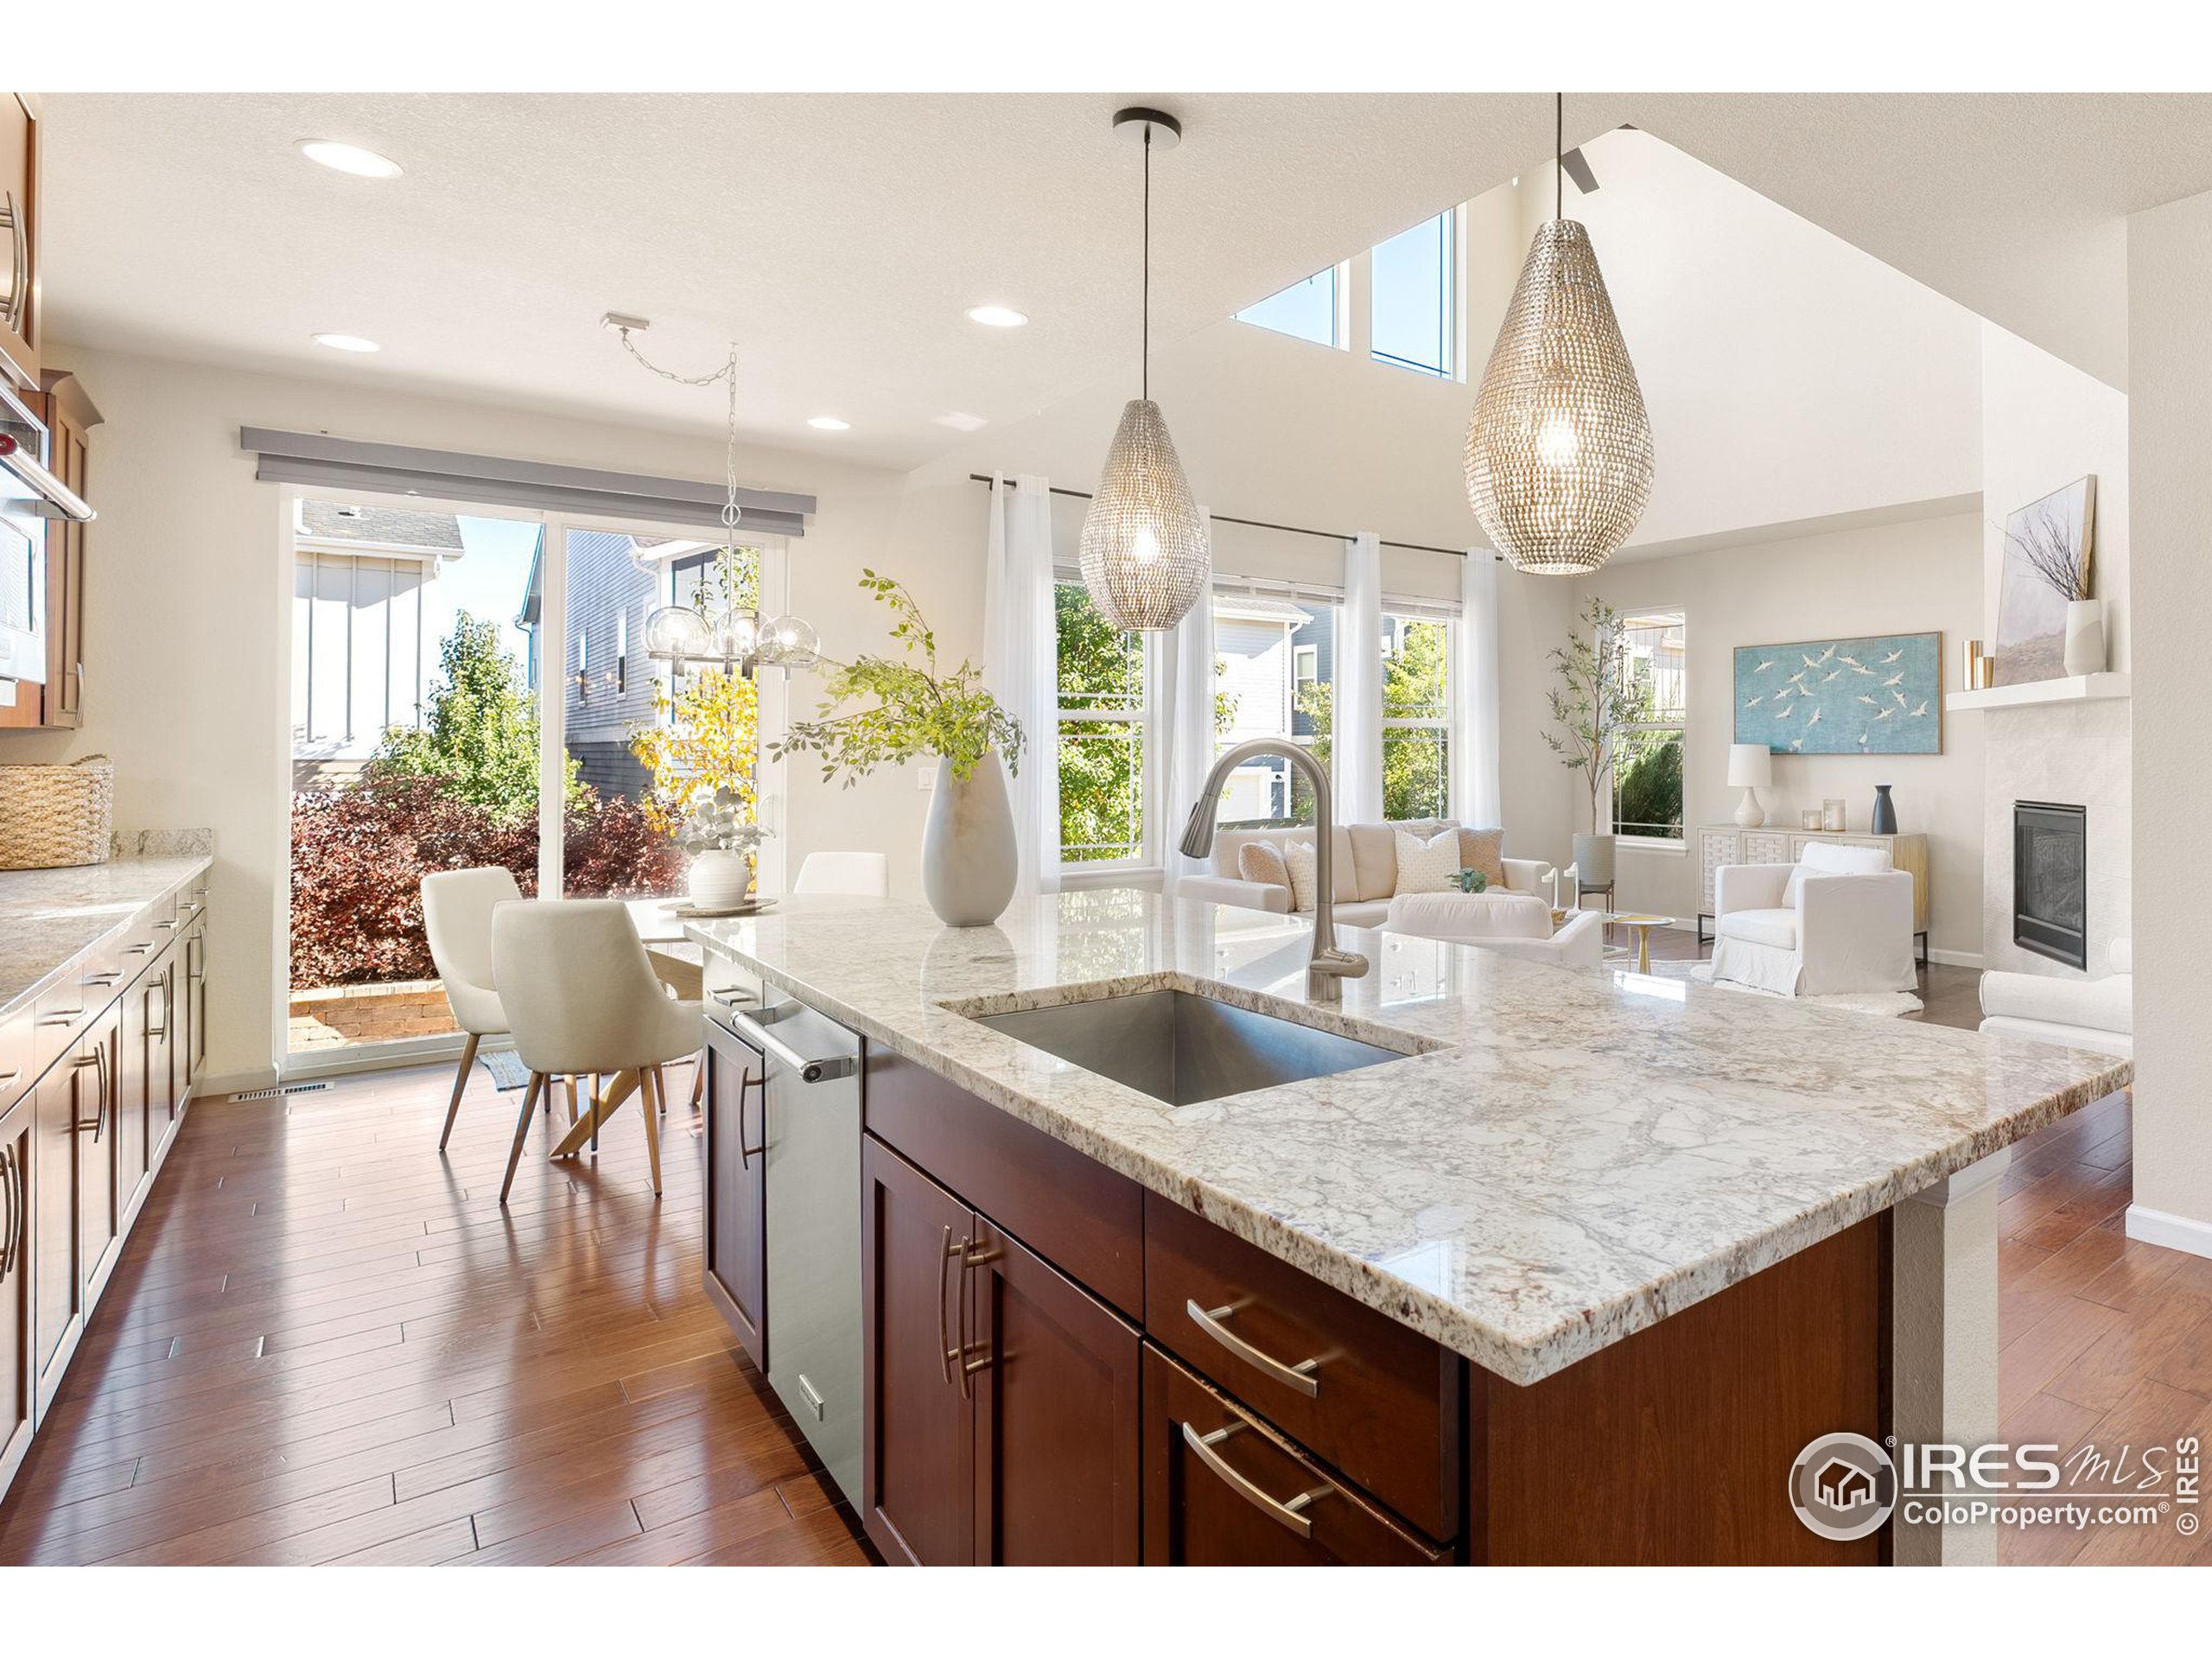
<point x="1750" y="814"/>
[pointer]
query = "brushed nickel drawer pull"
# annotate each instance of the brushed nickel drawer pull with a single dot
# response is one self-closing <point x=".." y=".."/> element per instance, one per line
<point x="1290" y="1514"/>
<point x="62" y="1018"/>
<point x="1300" y="1376"/>
<point x="946" y="1250"/>
<point x="107" y="977"/>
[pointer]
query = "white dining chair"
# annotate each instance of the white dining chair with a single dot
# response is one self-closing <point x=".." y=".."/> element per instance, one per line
<point x="867" y="874"/>
<point x="457" y="906"/>
<point x="581" y="1000"/>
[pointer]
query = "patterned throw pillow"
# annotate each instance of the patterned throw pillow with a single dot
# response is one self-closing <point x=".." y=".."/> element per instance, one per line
<point x="1304" y="880"/>
<point x="1429" y="866"/>
<point x="1484" y="850"/>
<point x="1261" y="861"/>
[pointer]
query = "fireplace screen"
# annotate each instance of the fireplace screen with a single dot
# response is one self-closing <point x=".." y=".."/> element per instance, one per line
<point x="2051" y="881"/>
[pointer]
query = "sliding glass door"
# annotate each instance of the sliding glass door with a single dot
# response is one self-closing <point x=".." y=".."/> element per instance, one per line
<point x="472" y="689"/>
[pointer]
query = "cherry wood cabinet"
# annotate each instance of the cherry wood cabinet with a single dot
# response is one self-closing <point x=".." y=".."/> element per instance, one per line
<point x="96" y="1072"/>
<point x="63" y="1145"/>
<point x="736" y="1104"/>
<point x="70" y="416"/>
<point x="16" y="1151"/>
<point x="1223" y="1489"/>
<point x="21" y="212"/>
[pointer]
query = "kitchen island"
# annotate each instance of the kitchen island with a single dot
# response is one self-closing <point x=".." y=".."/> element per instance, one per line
<point x="1571" y="1263"/>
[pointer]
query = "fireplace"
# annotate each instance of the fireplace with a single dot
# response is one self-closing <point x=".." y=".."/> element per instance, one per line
<point x="2051" y="881"/>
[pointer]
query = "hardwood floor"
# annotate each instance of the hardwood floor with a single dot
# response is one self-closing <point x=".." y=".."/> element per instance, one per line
<point x="327" y="1343"/>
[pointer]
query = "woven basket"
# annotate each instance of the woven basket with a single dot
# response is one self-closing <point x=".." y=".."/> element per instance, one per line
<point x="53" y="816"/>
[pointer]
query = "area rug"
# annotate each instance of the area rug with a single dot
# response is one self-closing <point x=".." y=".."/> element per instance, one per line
<point x="1879" y="1005"/>
<point x="506" y="1066"/>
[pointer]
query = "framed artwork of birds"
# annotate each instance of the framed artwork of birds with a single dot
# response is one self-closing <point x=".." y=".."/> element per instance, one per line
<point x="1879" y="694"/>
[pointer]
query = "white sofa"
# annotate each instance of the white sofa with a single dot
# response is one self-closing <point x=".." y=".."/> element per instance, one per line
<point x="1366" y="870"/>
<point x="1839" y="920"/>
<point x="2093" y="1014"/>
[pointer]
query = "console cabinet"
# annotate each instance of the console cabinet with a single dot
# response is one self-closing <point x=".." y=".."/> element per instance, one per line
<point x="95" y="1075"/>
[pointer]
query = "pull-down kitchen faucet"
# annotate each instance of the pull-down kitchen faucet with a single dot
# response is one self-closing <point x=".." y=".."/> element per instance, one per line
<point x="1329" y="966"/>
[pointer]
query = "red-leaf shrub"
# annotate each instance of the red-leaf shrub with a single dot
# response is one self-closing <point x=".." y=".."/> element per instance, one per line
<point x="359" y="854"/>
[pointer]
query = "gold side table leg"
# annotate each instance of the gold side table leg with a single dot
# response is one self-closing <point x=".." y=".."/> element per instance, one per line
<point x="1643" y="949"/>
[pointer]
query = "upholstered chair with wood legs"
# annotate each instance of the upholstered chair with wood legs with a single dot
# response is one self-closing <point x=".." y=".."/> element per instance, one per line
<point x="581" y="1000"/>
<point x="457" y="906"/>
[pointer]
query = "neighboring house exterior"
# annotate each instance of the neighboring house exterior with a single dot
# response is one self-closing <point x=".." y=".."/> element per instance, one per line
<point x="1255" y="640"/>
<point x="364" y="651"/>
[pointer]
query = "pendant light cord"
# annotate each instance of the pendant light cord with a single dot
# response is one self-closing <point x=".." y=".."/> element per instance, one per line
<point x="1144" y="369"/>
<point x="731" y="511"/>
<point x="1559" y="155"/>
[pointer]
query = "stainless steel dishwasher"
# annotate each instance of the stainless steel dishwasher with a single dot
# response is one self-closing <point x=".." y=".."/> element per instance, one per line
<point x="811" y="1134"/>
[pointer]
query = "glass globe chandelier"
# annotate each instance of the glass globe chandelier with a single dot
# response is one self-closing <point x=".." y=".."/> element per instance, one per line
<point x="680" y="635"/>
<point x="1559" y="449"/>
<point x="1143" y="554"/>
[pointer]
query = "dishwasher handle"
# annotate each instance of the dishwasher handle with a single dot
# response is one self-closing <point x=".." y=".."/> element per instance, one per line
<point x="806" y="1069"/>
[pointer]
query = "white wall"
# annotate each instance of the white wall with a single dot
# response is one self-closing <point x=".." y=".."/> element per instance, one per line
<point x="189" y="584"/>
<point x="2170" y="371"/>
<point x="1904" y="578"/>
<point x="2044" y="424"/>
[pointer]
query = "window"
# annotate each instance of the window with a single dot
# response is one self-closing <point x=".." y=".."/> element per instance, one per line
<point x="1305" y="666"/>
<point x="1305" y="310"/>
<point x="1416" y="717"/>
<point x="1647" y="755"/>
<point x="1105" y="713"/>
<point x="1411" y="296"/>
<point x="1267" y="651"/>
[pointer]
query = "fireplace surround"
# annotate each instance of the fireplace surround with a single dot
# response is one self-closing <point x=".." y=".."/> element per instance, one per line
<point x="2050" y="880"/>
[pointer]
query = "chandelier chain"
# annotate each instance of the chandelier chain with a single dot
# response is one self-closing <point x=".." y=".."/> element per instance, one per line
<point x="727" y="373"/>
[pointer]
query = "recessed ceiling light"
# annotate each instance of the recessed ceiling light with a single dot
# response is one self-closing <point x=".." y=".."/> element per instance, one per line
<point x="996" y="317"/>
<point x="961" y="422"/>
<point x="829" y="424"/>
<point x="347" y="343"/>
<point x="350" y="158"/>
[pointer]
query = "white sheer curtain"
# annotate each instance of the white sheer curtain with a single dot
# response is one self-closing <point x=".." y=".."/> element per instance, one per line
<point x="1475" y="797"/>
<point x="1021" y="664"/>
<point x="1191" y="684"/>
<point x="1356" y="723"/>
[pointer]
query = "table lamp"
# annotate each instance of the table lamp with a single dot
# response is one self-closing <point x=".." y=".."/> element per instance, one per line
<point x="1750" y="768"/>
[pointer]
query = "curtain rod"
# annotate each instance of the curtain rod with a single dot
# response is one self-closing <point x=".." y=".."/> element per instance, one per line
<point x="1262" y="523"/>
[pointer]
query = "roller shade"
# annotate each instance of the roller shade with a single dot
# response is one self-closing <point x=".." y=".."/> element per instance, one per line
<point x="575" y="492"/>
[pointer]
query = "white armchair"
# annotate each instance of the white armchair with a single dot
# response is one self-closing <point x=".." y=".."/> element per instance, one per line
<point x="2091" y="1013"/>
<point x="1841" y="920"/>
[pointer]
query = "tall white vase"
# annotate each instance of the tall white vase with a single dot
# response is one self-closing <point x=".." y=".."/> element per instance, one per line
<point x="970" y="861"/>
<point x="2085" y="636"/>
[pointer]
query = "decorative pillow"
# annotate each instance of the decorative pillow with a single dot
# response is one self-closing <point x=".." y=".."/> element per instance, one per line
<point x="1826" y="858"/>
<point x="1261" y="861"/>
<point x="1428" y="864"/>
<point x="1484" y="850"/>
<point x="1304" y="878"/>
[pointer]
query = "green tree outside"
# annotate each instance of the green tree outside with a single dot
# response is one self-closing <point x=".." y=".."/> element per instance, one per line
<point x="478" y="743"/>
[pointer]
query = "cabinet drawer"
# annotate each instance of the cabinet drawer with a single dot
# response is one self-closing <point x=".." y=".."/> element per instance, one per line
<point x="16" y="1047"/>
<point x="57" y="1017"/>
<point x="1221" y="1489"/>
<point x="1368" y="1395"/>
<point x="1080" y="1215"/>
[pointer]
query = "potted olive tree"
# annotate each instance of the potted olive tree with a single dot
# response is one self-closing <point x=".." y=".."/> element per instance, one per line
<point x="879" y="710"/>
<point x="1590" y="706"/>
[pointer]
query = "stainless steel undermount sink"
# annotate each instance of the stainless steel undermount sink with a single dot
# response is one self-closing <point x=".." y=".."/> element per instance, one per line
<point x="1182" y="1048"/>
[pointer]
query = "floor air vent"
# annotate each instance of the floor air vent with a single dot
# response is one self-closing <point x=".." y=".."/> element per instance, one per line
<point x="280" y="1089"/>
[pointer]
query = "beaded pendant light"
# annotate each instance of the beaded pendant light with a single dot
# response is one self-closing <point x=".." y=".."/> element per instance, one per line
<point x="1559" y="449"/>
<point x="1144" y="555"/>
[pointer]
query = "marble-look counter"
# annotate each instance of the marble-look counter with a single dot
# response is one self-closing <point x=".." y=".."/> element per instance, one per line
<point x="1586" y="1154"/>
<point x="50" y="918"/>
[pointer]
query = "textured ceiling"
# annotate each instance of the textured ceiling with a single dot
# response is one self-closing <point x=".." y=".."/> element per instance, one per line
<point x="840" y="237"/>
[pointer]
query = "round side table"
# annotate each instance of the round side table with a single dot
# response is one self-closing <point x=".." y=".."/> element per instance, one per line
<point x="1640" y="925"/>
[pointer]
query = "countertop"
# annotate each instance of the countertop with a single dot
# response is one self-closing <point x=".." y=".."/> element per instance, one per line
<point x="49" y="917"/>
<point x="1589" y="1152"/>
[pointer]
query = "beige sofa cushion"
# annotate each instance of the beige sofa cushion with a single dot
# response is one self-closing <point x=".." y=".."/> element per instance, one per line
<point x="1484" y="850"/>
<point x="1228" y="846"/>
<point x="1428" y="863"/>
<point x="1262" y="861"/>
<point x="1375" y="853"/>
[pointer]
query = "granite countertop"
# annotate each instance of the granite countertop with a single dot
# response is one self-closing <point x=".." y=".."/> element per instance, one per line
<point x="50" y="918"/>
<point x="1586" y="1153"/>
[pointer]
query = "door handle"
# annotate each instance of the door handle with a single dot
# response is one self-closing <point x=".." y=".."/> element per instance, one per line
<point x="98" y="1121"/>
<point x="18" y="264"/>
<point x="807" y="1070"/>
<point x="746" y="1152"/>
<point x="8" y="1192"/>
<point x="1299" y="1377"/>
<point x="1286" y="1513"/>
<point x="946" y="1352"/>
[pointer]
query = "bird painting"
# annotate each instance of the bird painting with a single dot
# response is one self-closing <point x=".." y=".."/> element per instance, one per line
<point x="1813" y="722"/>
<point x="1832" y="674"/>
<point x="1869" y="701"/>
<point x="1918" y="712"/>
<point x="1792" y="710"/>
<point x="1797" y="746"/>
<point x="1848" y="662"/>
<point x="1903" y="701"/>
<point x="1894" y="679"/>
<point x="1851" y="694"/>
<point x="1885" y="714"/>
<point x="1891" y="657"/>
<point x="1825" y="655"/>
<point x="1810" y="662"/>
<point x="1754" y="702"/>
<point x="1763" y="666"/>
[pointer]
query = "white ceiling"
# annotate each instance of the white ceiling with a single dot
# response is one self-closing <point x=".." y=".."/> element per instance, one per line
<point x="842" y="237"/>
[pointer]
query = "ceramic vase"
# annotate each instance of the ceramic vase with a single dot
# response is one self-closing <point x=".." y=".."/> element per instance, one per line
<point x="1593" y="857"/>
<point x="2085" y="636"/>
<point x="970" y="861"/>
<point x="720" y="879"/>
<point x="1885" y="811"/>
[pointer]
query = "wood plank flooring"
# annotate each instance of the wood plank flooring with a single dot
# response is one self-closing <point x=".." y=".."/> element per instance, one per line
<point x="326" y="1344"/>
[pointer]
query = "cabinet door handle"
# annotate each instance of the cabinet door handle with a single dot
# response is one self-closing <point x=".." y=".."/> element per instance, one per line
<point x="744" y="1152"/>
<point x="971" y="1356"/>
<point x="1299" y="1377"/>
<point x="62" y="1018"/>
<point x="946" y="1250"/>
<point x="8" y="1192"/>
<point x="18" y="265"/>
<point x="1289" y="1513"/>
<point x="107" y="977"/>
<point x="98" y="1121"/>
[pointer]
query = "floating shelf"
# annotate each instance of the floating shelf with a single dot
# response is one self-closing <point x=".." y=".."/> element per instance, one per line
<point x="2074" y="688"/>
